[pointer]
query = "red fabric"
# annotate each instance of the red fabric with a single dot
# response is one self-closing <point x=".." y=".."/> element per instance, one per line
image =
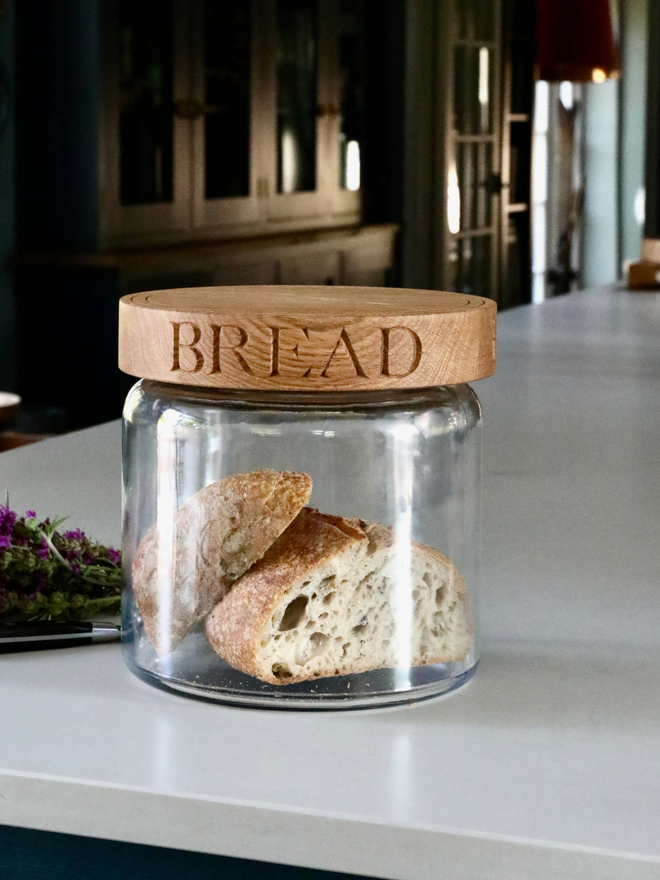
<point x="574" y="36"/>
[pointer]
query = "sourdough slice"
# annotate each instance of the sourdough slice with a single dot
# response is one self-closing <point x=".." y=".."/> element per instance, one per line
<point x="330" y="597"/>
<point x="216" y="536"/>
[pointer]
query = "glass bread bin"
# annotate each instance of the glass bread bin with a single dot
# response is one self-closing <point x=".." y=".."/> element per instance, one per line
<point x="302" y="492"/>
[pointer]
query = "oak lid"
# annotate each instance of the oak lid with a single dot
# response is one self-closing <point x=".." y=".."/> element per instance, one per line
<point x="307" y="338"/>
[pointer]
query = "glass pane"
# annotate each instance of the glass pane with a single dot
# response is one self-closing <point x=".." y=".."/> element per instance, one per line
<point x="227" y="98"/>
<point x="473" y="185"/>
<point x="522" y="81"/>
<point x="485" y="184"/>
<point x="473" y="88"/>
<point x="476" y="19"/>
<point x="351" y="93"/>
<point x="470" y="265"/>
<point x="296" y="95"/>
<point x="145" y="101"/>
<point x="467" y="184"/>
<point x="484" y="19"/>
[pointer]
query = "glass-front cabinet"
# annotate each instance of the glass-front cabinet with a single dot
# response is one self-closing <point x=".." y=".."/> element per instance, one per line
<point x="474" y="179"/>
<point x="230" y="119"/>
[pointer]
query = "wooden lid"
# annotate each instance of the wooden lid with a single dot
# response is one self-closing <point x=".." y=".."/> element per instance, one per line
<point x="307" y="338"/>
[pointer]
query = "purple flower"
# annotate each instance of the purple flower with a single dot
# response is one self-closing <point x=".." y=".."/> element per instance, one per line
<point x="5" y="542"/>
<point x="7" y="520"/>
<point x="114" y="555"/>
<point x="88" y="560"/>
<point x="43" y="550"/>
<point x="30" y="514"/>
<point x="74" y="535"/>
<point x="75" y="568"/>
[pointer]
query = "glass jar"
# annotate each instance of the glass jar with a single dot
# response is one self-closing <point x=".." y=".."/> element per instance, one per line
<point x="296" y="547"/>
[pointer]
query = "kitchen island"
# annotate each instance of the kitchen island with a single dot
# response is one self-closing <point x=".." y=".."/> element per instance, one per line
<point x="547" y="765"/>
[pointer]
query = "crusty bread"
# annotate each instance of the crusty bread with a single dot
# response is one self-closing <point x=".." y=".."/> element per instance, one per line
<point x="330" y="597"/>
<point x="217" y="535"/>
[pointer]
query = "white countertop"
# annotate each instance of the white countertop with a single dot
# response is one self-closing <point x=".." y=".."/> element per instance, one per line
<point x="546" y="766"/>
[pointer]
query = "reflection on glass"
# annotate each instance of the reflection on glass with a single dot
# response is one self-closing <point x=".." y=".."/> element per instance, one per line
<point x="351" y="93"/>
<point x="227" y="98"/>
<point x="474" y="171"/>
<point x="296" y="95"/>
<point x="351" y="166"/>
<point x="145" y="102"/>
<point x="453" y="199"/>
<point x="484" y="91"/>
<point x="472" y="90"/>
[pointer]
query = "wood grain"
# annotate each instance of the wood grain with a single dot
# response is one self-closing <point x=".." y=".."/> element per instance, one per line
<point x="651" y="250"/>
<point x="307" y="338"/>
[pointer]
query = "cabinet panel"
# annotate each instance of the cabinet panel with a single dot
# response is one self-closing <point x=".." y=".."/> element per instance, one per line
<point x="230" y="120"/>
<point x="145" y="155"/>
<point x="226" y="92"/>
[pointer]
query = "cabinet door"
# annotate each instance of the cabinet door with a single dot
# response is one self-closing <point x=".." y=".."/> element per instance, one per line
<point x="345" y="54"/>
<point x="313" y="97"/>
<point x="145" y="144"/>
<point x="226" y="111"/>
<point x="295" y="144"/>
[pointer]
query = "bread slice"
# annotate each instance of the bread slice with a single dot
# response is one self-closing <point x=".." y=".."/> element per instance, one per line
<point x="218" y="534"/>
<point x="337" y="596"/>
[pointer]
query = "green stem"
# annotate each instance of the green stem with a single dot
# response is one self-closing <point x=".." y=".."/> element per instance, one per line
<point x="56" y="552"/>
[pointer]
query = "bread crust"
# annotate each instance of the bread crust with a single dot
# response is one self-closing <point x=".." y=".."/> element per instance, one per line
<point x="213" y="539"/>
<point x="237" y="624"/>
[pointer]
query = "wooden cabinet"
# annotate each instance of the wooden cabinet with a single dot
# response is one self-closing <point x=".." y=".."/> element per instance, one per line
<point x="352" y="256"/>
<point x="227" y="120"/>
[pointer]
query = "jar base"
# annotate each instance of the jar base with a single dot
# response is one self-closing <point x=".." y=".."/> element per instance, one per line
<point x="368" y="690"/>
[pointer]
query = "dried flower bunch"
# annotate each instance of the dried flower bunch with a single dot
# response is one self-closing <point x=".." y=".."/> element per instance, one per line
<point x="50" y="575"/>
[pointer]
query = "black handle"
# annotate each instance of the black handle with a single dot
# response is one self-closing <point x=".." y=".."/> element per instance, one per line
<point x="15" y="637"/>
<point x="45" y="628"/>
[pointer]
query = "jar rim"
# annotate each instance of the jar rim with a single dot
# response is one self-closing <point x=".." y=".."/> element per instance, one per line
<point x="321" y="400"/>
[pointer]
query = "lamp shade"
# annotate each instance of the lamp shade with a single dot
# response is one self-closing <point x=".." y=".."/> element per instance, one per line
<point x="575" y="41"/>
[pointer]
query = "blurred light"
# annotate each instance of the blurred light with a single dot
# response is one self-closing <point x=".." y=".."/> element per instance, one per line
<point x="566" y="94"/>
<point x="639" y="206"/>
<point x="289" y="159"/>
<point x="483" y="75"/>
<point x="598" y="75"/>
<point x="353" y="166"/>
<point x="541" y="107"/>
<point x="453" y="200"/>
<point x="483" y="89"/>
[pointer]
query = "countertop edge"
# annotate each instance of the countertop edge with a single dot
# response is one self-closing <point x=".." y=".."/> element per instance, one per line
<point x="283" y="836"/>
